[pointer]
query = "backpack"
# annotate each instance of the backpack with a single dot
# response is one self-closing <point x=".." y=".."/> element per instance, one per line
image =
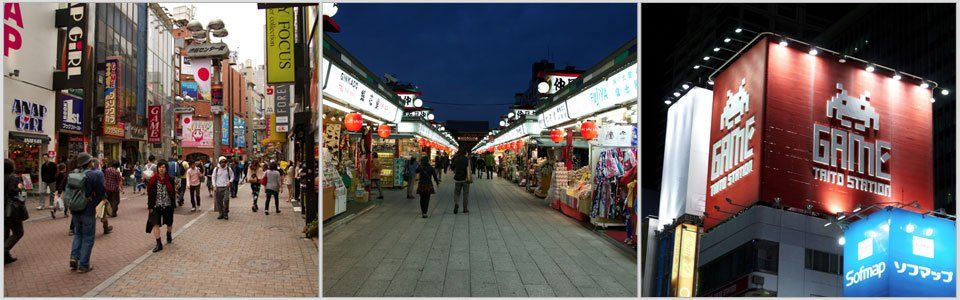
<point x="74" y="198"/>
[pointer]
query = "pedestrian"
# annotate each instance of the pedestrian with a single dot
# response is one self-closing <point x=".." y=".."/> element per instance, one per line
<point x="83" y="192"/>
<point x="243" y="169"/>
<point x="149" y="169"/>
<point x="462" y="178"/>
<point x="490" y="163"/>
<point x="15" y="210"/>
<point x="425" y="185"/>
<point x="254" y="174"/>
<point x="288" y="175"/>
<point x="112" y="181"/>
<point x="222" y="177"/>
<point x="410" y="175"/>
<point x="271" y="183"/>
<point x="160" y="205"/>
<point x="481" y="165"/>
<point x="98" y="172"/>
<point x="235" y="182"/>
<point x="375" y="170"/>
<point x="193" y="180"/>
<point x="183" y="185"/>
<point x="48" y="181"/>
<point x="208" y="172"/>
<point x="138" y="178"/>
<point x="61" y="185"/>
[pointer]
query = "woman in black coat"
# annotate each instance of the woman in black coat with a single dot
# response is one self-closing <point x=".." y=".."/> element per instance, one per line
<point x="425" y="186"/>
<point x="13" y="224"/>
<point x="160" y="203"/>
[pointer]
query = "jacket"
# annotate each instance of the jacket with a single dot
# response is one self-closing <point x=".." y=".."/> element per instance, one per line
<point x="427" y="172"/>
<point x="48" y="172"/>
<point x="152" y="191"/>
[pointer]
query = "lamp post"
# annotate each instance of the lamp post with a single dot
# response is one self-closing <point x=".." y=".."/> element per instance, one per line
<point x="202" y="35"/>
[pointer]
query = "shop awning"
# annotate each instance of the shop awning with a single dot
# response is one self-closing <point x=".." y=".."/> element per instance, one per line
<point x="30" y="138"/>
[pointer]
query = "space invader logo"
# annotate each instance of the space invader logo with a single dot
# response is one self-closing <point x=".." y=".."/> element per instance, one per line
<point x="853" y="112"/>
<point x="732" y="155"/>
<point x="737" y="105"/>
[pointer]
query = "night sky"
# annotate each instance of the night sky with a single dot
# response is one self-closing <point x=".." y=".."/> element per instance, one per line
<point x="479" y="53"/>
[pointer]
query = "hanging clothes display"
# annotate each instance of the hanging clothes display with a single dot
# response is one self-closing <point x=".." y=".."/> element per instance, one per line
<point x="610" y="194"/>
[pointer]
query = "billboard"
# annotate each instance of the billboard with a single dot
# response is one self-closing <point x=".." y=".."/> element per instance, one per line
<point x="111" y="103"/>
<point x="684" y="267"/>
<point x="196" y="133"/>
<point x="809" y="130"/>
<point x="685" y="156"/>
<point x="279" y="42"/>
<point x="189" y="89"/>
<point x="28" y="49"/>
<point x="898" y="253"/>
<point x="70" y="112"/>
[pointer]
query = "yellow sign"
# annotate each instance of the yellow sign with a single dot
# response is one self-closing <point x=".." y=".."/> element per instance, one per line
<point x="280" y="40"/>
<point x="272" y="135"/>
<point x="684" y="269"/>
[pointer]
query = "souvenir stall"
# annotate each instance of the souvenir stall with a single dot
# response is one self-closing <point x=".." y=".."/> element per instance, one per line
<point x="334" y="189"/>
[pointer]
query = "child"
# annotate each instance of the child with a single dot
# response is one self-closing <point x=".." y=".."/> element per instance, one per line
<point x="138" y="179"/>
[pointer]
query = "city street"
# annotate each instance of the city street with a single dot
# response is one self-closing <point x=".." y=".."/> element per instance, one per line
<point x="263" y="255"/>
<point x="511" y="244"/>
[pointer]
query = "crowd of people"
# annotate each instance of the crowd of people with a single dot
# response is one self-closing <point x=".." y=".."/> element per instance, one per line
<point x="81" y="189"/>
<point x="421" y="175"/>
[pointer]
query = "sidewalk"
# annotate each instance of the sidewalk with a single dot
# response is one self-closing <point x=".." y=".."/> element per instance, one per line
<point x="509" y="245"/>
<point x="213" y="248"/>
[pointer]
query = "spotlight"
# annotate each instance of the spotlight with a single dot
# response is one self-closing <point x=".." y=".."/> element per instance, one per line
<point x="858" y="208"/>
<point x="841" y="241"/>
<point x="696" y="67"/>
<point x="717" y="49"/>
<point x="686" y="86"/>
<point x="828" y="224"/>
<point x="726" y="40"/>
<point x="924" y="85"/>
<point x="667" y="102"/>
<point x="738" y="30"/>
<point x="783" y="43"/>
<point x="896" y="76"/>
<point x="933" y="100"/>
<point x="841" y="216"/>
<point x="706" y="58"/>
<point x="870" y="68"/>
<point x="813" y="51"/>
<point x="944" y="92"/>
<point x="710" y="82"/>
<point x="676" y="94"/>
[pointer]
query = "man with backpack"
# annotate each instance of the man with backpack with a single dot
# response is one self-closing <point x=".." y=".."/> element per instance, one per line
<point x="83" y="192"/>
<point x="173" y="167"/>
<point x="222" y="177"/>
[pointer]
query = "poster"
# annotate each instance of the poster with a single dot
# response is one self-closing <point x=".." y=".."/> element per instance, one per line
<point x="196" y="133"/>
<point x="71" y="113"/>
<point x="189" y="89"/>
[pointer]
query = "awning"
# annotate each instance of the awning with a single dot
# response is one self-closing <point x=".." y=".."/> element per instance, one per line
<point x="30" y="138"/>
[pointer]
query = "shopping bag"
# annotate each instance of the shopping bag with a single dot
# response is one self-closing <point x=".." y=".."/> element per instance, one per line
<point x="58" y="202"/>
<point x="103" y="210"/>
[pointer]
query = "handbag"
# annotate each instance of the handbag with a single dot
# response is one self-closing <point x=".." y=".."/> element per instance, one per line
<point x="16" y="210"/>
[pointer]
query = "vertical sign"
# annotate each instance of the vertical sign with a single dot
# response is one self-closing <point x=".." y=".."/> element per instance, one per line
<point x="70" y="73"/>
<point x="71" y="113"/>
<point x="279" y="38"/>
<point x="216" y="98"/>
<point x="111" y="93"/>
<point x="684" y="260"/>
<point x="282" y="106"/>
<point x="153" y="124"/>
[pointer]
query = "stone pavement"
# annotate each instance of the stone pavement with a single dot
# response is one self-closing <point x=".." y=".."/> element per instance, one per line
<point x="511" y="244"/>
<point x="247" y="248"/>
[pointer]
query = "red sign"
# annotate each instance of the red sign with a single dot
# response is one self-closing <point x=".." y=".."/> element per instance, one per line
<point x="809" y="130"/>
<point x="153" y="124"/>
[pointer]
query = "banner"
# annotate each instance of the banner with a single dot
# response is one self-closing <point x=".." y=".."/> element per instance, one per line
<point x="203" y="74"/>
<point x="615" y="135"/>
<point x="189" y="89"/>
<point x="196" y="133"/>
<point x="110" y="99"/>
<point x="71" y="113"/>
<point x="281" y="103"/>
<point x="279" y="40"/>
<point x="153" y="124"/>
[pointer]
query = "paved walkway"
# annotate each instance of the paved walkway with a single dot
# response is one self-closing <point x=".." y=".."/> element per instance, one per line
<point x="511" y="244"/>
<point x="248" y="255"/>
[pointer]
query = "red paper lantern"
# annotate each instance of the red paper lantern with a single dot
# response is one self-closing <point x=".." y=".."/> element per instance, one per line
<point x="383" y="131"/>
<point x="588" y="130"/>
<point x="519" y="144"/>
<point x="353" y="122"/>
<point x="556" y="135"/>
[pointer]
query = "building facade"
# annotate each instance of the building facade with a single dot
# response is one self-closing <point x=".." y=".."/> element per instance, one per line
<point x="162" y="77"/>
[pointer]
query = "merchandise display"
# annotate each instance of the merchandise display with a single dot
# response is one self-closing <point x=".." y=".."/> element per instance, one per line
<point x="333" y="182"/>
<point x="613" y="172"/>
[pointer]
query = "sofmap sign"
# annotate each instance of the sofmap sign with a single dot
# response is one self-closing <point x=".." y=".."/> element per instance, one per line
<point x="351" y="91"/>
<point x="898" y="253"/>
<point x="279" y="40"/>
<point x="619" y="88"/>
<point x="831" y="135"/>
<point x="70" y="75"/>
<point x="71" y="113"/>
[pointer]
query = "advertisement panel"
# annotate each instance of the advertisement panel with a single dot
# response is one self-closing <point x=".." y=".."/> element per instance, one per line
<point x="735" y="139"/>
<point x="73" y="19"/>
<point x="282" y="99"/>
<point x="553" y="116"/>
<point x="349" y="90"/>
<point x="684" y="266"/>
<point x="619" y="88"/>
<point x="189" y="89"/>
<point x="71" y="113"/>
<point x="899" y="253"/>
<point x="196" y="133"/>
<point x="279" y="40"/>
<point x="558" y="81"/>
<point x="685" y="156"/>
<point x="153" y="124"/>
<point x="111" y="91"/>
<point x="29" y="49"/>
<point x="844" y="136"/>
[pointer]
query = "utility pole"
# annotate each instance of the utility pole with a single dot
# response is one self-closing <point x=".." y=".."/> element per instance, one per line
<point x="217" y="115"/>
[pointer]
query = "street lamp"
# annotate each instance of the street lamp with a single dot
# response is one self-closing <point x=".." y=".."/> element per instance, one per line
<point x="217" y="28"/>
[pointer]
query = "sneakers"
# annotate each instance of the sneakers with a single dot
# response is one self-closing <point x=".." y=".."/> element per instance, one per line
<point x="40" y="207"/>
<point x="108" y="229"/>
<point x="424" y="216"/>
<point x="193" y="209"/>
<point x="53" y="213"/>
<point x="82" y="270"/>
<point x="73" y="264"/>
<point x="456" y="208"/>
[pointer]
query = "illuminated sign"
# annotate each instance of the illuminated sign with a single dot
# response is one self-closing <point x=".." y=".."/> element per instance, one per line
<point x="353" y="92"/>
<point x="898" y="253"/>
<point x="617" y="89"/>
<point x="558" y="82"/>
<point x="684" y="261"/>
<point x="554" y="116"/>
<point x="71" y="113"/>
<point x="111" y="101"/>
<point x="685" y="156"/>
<point x="831" y="135"/>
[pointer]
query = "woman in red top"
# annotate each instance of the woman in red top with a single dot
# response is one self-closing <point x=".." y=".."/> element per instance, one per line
<point x="160" y="204"/>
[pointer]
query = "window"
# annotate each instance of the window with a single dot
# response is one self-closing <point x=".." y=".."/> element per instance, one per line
<point x="755" y="255"/>
<point x="823" y="261"/>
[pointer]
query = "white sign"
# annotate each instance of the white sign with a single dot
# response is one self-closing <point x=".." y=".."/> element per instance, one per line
<point x="355" y="93"/>
<point x="619" y="88"/>
<point x="554" y="116"/>
<point x="615" y="135"/>
<point x="685" y="156"/>
<point x="30" y="42"/>
<point x="733" y="149"/>
<point x="423" y="130"/>
<point x="558" y="82"/>
<point x="207" y="50"/>
<point x="520" y="131"/>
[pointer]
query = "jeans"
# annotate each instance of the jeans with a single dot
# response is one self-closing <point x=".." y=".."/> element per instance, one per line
<point x="182" y="188"/>
<point x="233" y="188"/>
<point x="424" y="203"/>
<point x="195" y="196"/>
<point x="46" y="188"/>
<point x="464" y="187"/>
<point x="85" y="228"/>
<point x="276" y="200"/>
<point x="222" y="200"/>
<point x="140" y="185"/>
<point x="12" y="235"/>
<point x="489" y="170"/>
<point x="255" y="191"/>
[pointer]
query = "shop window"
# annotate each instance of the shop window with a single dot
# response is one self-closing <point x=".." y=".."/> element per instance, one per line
<point x="823" y="261"/>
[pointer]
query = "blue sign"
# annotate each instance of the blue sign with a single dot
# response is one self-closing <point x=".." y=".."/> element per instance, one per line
<point x="188" y="88"/>
<point x="239" y="131"/>
<point x="898" y="253"/>
<point x="71" y="113"/>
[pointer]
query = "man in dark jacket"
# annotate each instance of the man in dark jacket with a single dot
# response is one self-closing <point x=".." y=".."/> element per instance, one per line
<point x="462" y="178"/>
<point x="48" y="180"/>
<point x="84" y="221"/>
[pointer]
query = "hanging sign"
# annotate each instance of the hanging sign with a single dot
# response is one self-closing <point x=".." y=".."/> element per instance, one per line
<point x="70" y="75"/>
<point x="207" y="50"/>
<point x="71" y="113"/>
<point x="353" y="92"/>
<point x="615" y="135"/>
<point x="281" y="102"/>
<point x="279" y="42"/>
<point x="619" y="88"/>
<point x="153" y="124"/>
<point x="203" y="76"/>
<point x="554" y="116"/>
<point x="111" y="90"/>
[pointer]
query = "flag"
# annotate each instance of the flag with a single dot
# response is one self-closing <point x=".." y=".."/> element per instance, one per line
<point x="203" y="75"/>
